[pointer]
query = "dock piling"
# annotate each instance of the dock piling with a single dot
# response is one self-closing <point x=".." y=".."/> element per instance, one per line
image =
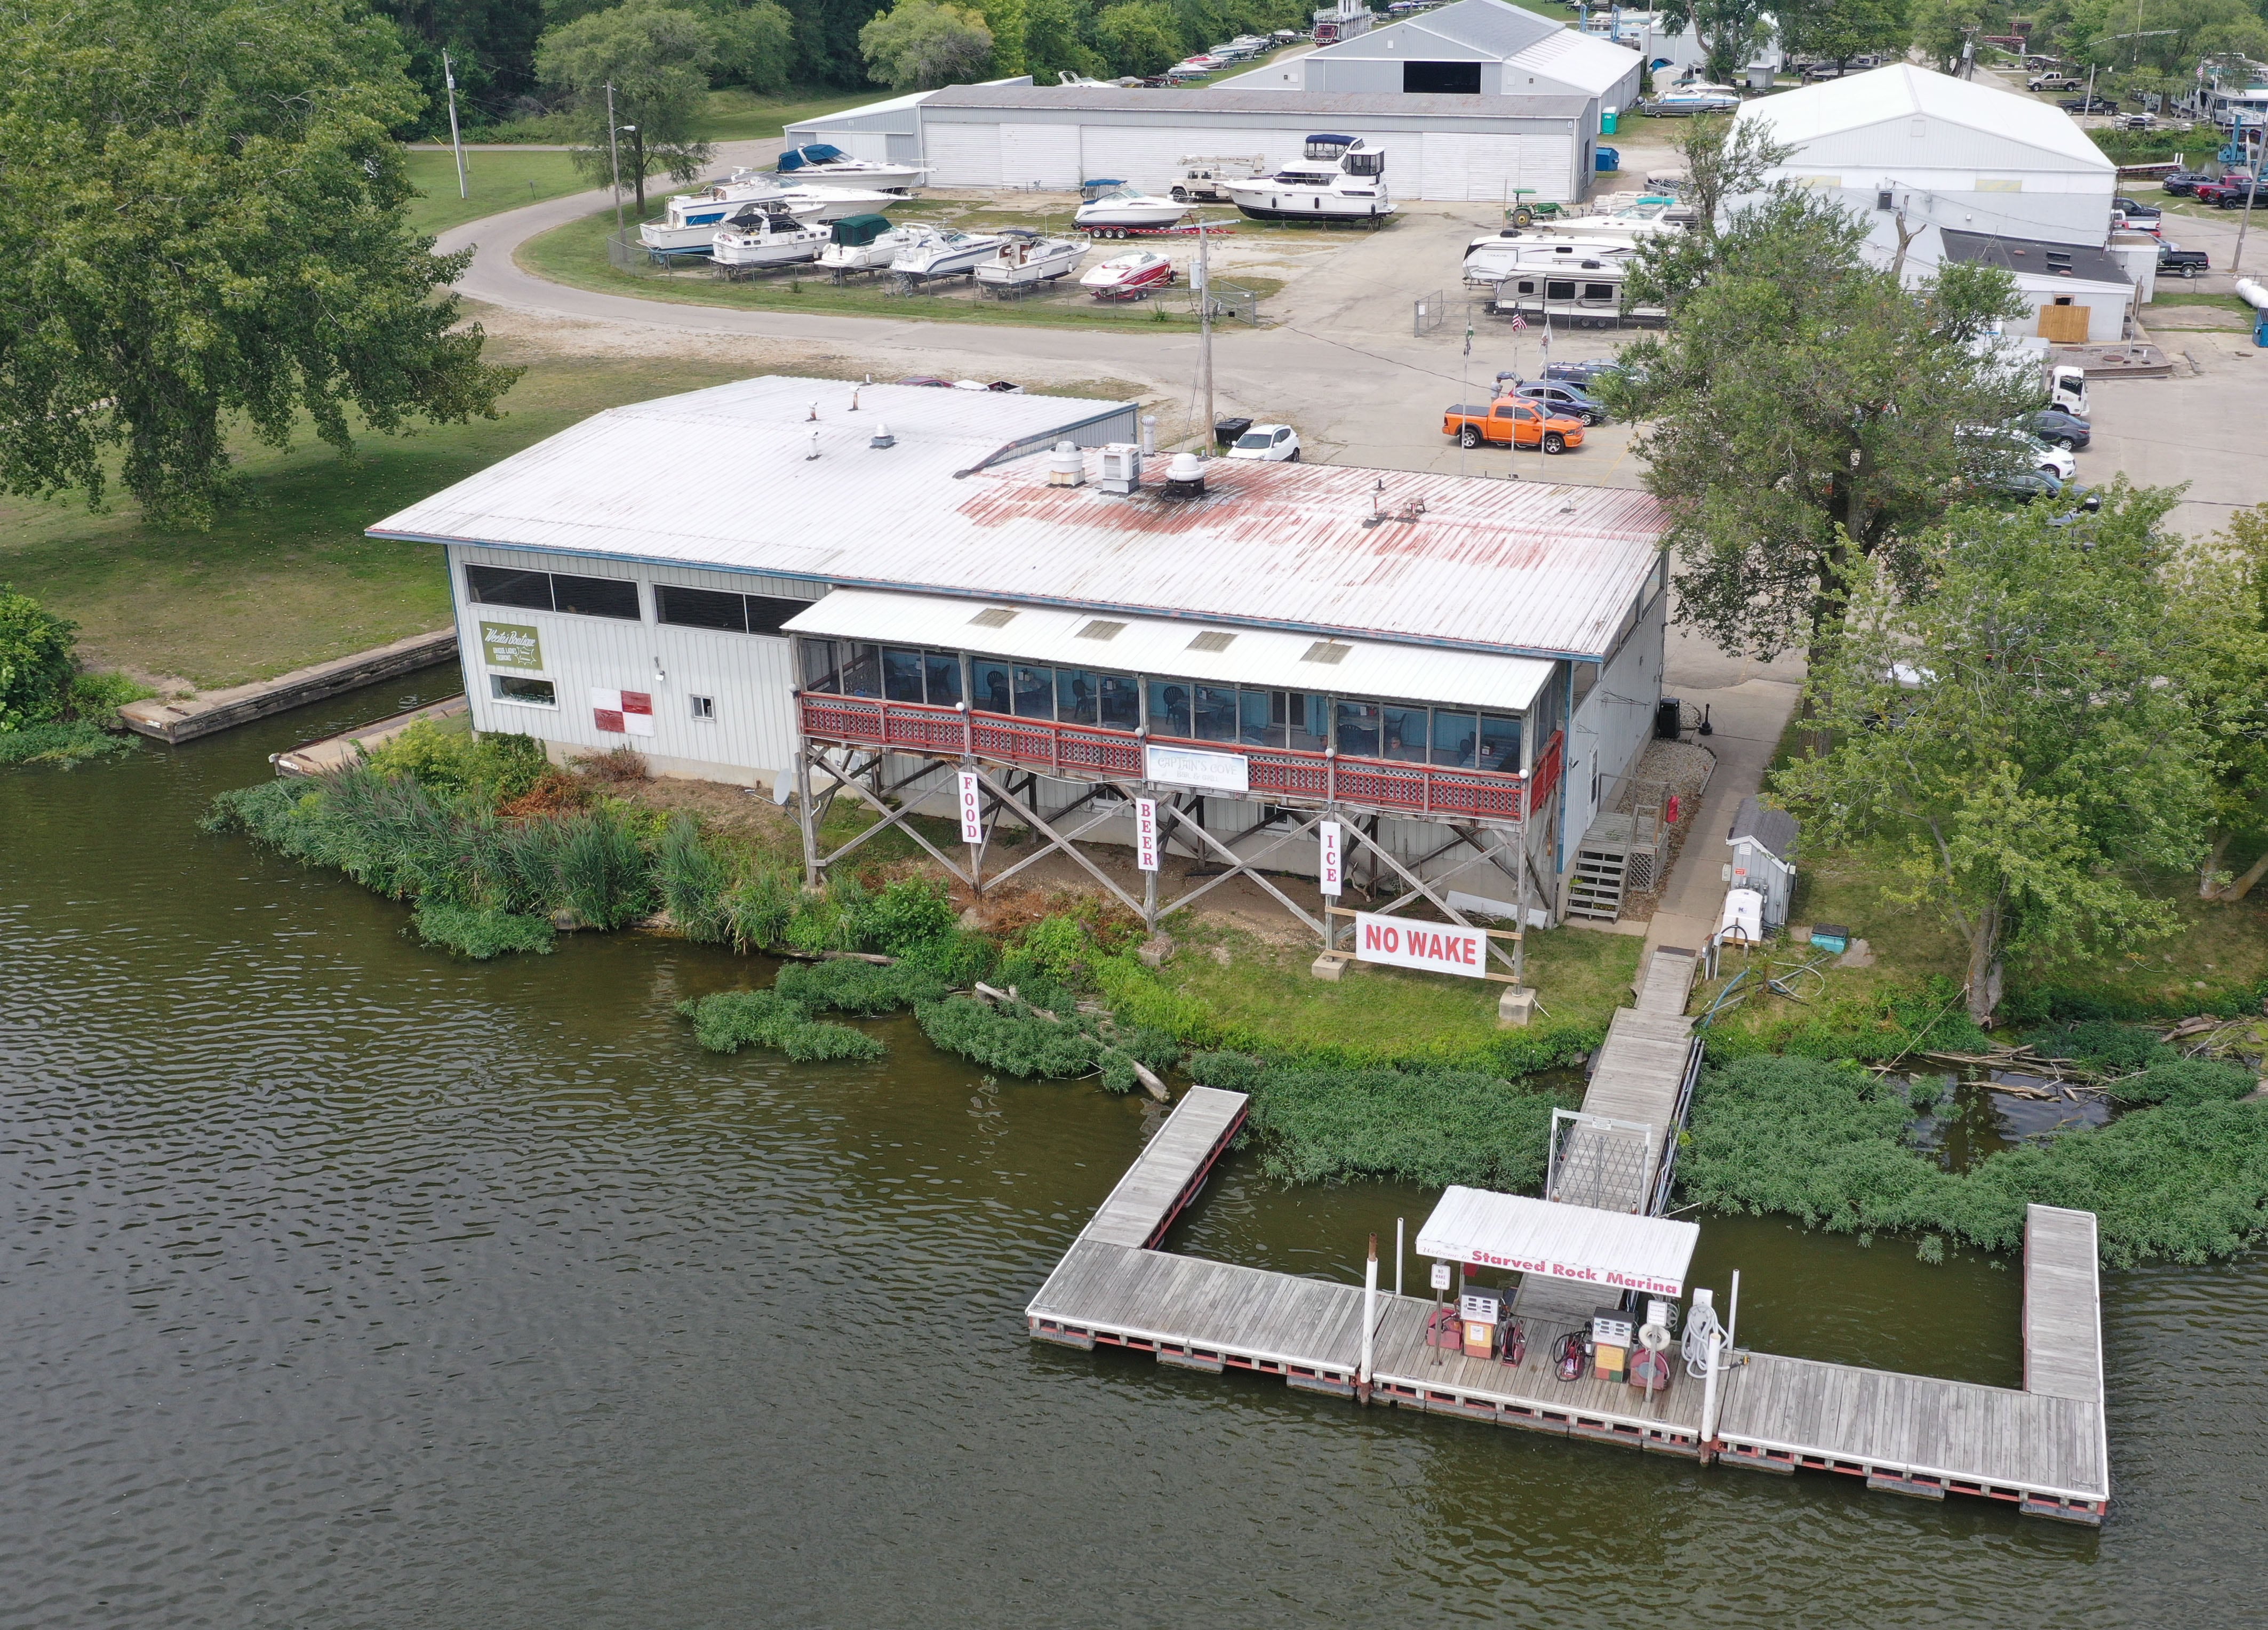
<point x="1369" y="1320"/>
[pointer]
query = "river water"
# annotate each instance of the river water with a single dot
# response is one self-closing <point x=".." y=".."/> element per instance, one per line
<point x="347" y="1284"/>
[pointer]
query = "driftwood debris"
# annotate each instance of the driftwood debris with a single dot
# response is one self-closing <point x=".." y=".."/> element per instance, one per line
<point x="1149" y="1078"/>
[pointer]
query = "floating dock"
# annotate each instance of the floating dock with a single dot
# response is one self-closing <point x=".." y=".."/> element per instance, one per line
<point x="2041" y="1448"/>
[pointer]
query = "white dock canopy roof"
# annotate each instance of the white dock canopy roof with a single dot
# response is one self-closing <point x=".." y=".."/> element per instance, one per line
<point x="1614" y="1251"/>
<point x="1157" y="646"/>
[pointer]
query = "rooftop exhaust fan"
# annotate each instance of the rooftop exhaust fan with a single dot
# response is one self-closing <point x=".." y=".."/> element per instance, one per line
<point x="1185" y="476"/>
<point x="1065" y="468"/>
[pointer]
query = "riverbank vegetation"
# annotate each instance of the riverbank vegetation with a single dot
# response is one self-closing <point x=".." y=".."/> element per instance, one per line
<point x="51" y="711"/>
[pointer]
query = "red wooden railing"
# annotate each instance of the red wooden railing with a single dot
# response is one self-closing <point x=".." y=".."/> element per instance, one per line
<point x="1088" y="751"/>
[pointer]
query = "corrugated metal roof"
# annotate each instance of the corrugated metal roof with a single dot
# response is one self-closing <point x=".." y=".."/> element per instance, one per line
<point x="723" y="479"/>
<point x="1612" y="1250"/>
<point x="1259" y="658"/>
<point x="1902" y="90"/>
<point x="1595" y="65"/>
<point x="1490" y="25"/>
<point x="1274" y="104"/>
<point x="1774" y="829"/>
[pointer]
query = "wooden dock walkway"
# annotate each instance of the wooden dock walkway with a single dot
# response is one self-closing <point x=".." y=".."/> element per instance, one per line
<point x="2042" y="1448"/>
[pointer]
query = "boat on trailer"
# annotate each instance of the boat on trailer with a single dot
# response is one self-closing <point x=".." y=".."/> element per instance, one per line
<point x="866" y="243"/>
<point x="692" y="220"/>
<point x="1338" y="178"/>
<point x="773" y="238"/>
<point x="1025" y="259"/>
<point x="826" y="165"/>
<point x="942" y="252"/>
<point x="1122" y="208"/>
<point x="1133" y="276"/>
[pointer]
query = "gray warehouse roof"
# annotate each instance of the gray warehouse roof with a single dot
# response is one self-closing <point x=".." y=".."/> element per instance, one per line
<point x="1290" y="107"/>
<point x="727" y="479"/>
<point x="2031" y="256"/>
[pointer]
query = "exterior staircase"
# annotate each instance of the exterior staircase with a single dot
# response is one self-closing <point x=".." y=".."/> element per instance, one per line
<point x="1615" y="858"/>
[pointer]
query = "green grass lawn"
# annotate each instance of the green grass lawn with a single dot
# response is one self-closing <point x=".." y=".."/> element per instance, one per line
<point x="575" y="254"/>
<point x="499" y="182"/>
<point x="733" y="114"/>
<point x="288" y="578"/>
<point x="1268" y="990"/>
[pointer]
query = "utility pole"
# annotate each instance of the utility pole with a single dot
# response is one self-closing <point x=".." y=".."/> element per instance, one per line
<point x="2250" y="186"/>
<point x="1204" y="325"/>
<point x="615" y="158"/>
<point x="449" y="76"/>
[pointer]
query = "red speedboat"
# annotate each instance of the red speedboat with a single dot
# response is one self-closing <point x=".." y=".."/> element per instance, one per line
<point x="1129" y="276"/>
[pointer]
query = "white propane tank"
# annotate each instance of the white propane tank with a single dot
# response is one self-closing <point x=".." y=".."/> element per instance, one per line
<point x="2252" y="294"/>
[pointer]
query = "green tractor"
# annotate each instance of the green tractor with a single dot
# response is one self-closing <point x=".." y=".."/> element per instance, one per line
<point x="1522" y="211"/>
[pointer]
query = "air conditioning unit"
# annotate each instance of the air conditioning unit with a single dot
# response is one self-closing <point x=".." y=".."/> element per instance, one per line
<point x="1122" y="466"/>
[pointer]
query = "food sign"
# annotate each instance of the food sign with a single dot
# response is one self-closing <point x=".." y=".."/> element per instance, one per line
<point x="972" y="807"/>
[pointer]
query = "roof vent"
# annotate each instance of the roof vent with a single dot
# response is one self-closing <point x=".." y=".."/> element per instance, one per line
<point x="1100" y="630"/>
<point x="814" y="448"/>
<point x="1185" y="476"/>
<point x="993" y="616"/>
<point x="1211" y="639"/>
<point x="882" y="437"/>
<point x="1122" y="466"/>
<point x="1065" y="468"/>
<point x="1327" y="651"/>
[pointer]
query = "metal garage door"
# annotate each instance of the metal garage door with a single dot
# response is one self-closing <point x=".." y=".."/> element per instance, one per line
<point x="1458" y="168"/>
<point x="1547" y="163"/>
<point x="963" y="155"/>
<point x="1040" y="155"/>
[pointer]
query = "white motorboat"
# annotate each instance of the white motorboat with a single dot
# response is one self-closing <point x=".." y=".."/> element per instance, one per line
<point x="772" y="238"/>
<point x="941" y="252"/>
<point x="1026" y="258"/>
<point x="1340" y="178"/>
<point x="1121" y="207"/>
<point x="817" y="162"/>
<point x="692" y="219"/>
<point x="1127" y="276"/>
<point x="866" y="243"/>
<point x="832" y="202"/>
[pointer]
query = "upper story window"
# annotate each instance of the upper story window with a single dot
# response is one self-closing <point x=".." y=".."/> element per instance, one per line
<point x="731" y="613"/>
<point x="554" y="591"/>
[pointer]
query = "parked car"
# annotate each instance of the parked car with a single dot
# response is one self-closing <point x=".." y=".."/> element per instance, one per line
<point x="2052" y="82"/>
<point x="1560" y="397"/>
<point x="1510" y="420"/>
<point x="1268" y="444"/>
<point x="2237" y="194"/>
<point x="2182" y="183"/>
<point x="2060" y="428"/>
<point x="2176" y="262"/>
<point x="1580" y="375"/>
<point x="2090" y="105"/>
<point x="2135" y="209"/>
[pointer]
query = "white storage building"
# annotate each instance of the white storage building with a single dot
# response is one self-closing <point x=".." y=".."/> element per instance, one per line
<point x="1452" y="665"/>
<point x="1947" y="152"/>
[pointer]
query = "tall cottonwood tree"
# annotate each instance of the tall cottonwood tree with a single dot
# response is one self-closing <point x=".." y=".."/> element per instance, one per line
<point x="2009" y="733"/>
<point x="2221" y="597"/>
<point x="201" y="227"/>
<point x="1804" y="410"/>
<point x="656" y="56"/>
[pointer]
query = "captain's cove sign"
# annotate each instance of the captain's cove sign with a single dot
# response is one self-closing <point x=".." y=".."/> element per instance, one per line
<point x="1435" y="947"/>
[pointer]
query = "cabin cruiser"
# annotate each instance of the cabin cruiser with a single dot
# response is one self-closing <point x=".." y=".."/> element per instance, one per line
<point x="1340" y="178"/>
<point x="1129" y="276"/>
<point x="1697" y="98"/>
<point x="1024" y="259"/>
<point x="817" y="162"/>
<point x="1122" y="206"/>
<point x="866" y="243"/>
<point x="941" y="252"/>
<point x="768" y="237"/>
<point x="692" y="219"/>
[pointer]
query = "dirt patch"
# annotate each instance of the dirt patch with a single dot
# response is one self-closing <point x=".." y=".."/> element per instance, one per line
<point x="734" y="811"/>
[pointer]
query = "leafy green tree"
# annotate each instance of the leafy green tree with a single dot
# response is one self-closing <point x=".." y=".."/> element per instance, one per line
<point x="920" y="44"/>
<point x="657" y="57"/>
<point x="200" y="223"/>
<point x="1941" y="27"/>
<point x="827" y="40"/>
<point x="1053" y="44"/>
<point x="1140" y="37"/>
<point x="2220" y="594"/>
<point x="1838" y="30"/>
<point x="1730" y="31"/>
<point x="2008" y="734"/>
<point x="1009" y="24"/>
<point x="491" y="45"/>
<point x="755" y="44"/>
<point x="1805" y="410"/>
<point x="36" y="665"/>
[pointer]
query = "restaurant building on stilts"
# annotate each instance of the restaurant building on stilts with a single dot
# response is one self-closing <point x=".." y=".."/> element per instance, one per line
<point x="994" y="606"/>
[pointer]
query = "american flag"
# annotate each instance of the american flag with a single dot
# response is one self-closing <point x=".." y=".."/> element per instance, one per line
<point x="1519" y="323"/>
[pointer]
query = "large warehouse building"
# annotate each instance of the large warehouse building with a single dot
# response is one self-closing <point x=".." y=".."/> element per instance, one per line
<point x="867" y="592"/>
<point x="1947" y="152"/>
<point x="1469" y="102"/>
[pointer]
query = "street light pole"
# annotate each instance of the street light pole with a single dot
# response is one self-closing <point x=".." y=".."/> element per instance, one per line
<point x="615" y="158"/>
<point x="1204" y="325"/>
<point x="456" y="141"/>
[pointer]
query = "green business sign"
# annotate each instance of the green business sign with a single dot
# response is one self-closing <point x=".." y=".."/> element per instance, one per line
<point x="510" y="645"/>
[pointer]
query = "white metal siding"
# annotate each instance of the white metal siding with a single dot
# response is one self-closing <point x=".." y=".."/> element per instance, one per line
<point x="1547" y="164"/>
<point x="1041" y="155"/>
<point x="1150" y="156"/>
<point x="1460" y="168"/>
<point x="750" y="676"/>
<point x="962" y="155"/>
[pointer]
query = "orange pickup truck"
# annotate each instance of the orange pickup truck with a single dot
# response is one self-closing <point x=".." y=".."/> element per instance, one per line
<point x="1512" y="421"/>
